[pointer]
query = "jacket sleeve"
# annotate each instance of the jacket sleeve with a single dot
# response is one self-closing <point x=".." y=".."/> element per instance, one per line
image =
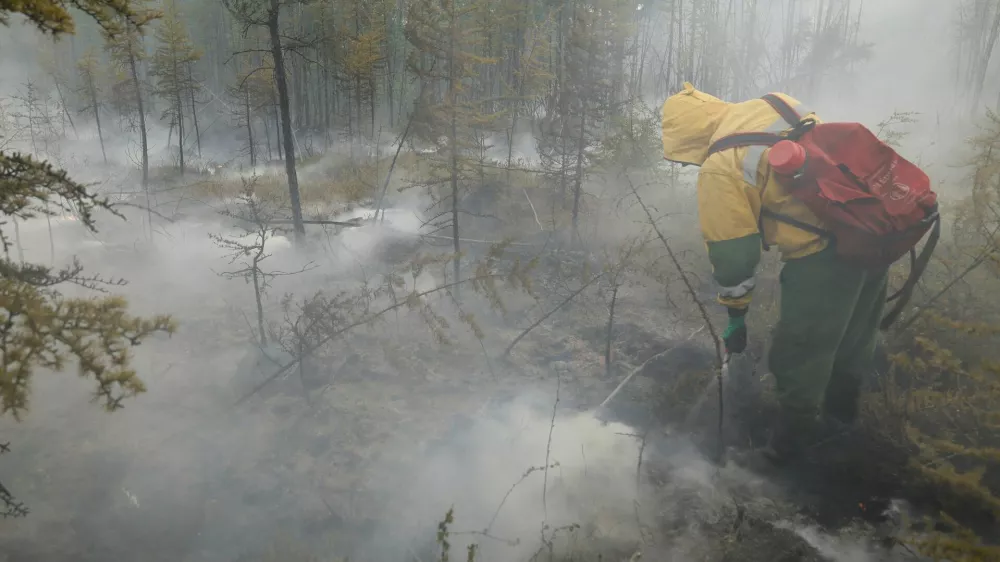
<point x="728" y="208"/>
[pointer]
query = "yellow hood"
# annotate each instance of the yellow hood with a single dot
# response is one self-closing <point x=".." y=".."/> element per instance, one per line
<point x="690" y="121"/>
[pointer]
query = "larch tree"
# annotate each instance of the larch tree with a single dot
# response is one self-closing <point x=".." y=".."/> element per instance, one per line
<point x="580" y="104"/>
<point x="90" y="90"/>
<point x="123" y="40"/>
<point x="171" y="69"/>
<point x="41" y="328"/>
<point x="253" y="93"/>
<point x="364" y="30"/>
<point x="51" y="59"/>
<point x="446" y="36"/>
<point x="526" y="77"/>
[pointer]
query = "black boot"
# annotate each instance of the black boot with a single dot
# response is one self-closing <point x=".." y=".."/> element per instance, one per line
<point x="842" y="402"/>
<point x="790" y="436"/>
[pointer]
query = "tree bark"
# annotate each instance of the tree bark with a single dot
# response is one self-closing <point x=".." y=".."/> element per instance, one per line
<point x="453" y="143"/>
<point x="286" y="123"/>
<point x="92" y="90"/>
<point x="194" y="110"/>
<point x="133" y="67"/>
<point x="253" y="153"/>
<point x="180" y="126"/>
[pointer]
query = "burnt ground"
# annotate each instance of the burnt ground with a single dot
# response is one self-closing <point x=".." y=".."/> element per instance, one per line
<point x="313" y="459"/>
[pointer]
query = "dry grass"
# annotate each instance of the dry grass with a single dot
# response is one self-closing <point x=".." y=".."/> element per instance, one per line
<point x="325" y="184"/>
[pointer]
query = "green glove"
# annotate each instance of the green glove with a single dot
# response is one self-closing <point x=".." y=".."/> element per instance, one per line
<point x="735" y="336"/>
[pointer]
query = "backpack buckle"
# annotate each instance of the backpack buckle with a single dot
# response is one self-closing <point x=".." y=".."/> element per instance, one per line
<point x="801" y="128"/>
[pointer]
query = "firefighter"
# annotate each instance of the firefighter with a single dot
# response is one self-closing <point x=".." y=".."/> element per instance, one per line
<point x="824" y="341"/>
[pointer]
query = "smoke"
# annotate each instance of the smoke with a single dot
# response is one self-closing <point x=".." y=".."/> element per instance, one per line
<point x="833" y="548"/>
<point x="491" y="471"/>
<point x="181" y="472"/>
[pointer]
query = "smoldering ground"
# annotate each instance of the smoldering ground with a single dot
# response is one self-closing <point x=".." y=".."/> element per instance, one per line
<point x="372" y="464"/>
<point x="369" y="466"/>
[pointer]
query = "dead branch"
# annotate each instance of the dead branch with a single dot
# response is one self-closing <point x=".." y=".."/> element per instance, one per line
<point x="642" y="367"/>
<point x="548" y="453"/>
<point x="553" y="311"/>
<point x="721" y="363"/>
<point x="306" y="350"/>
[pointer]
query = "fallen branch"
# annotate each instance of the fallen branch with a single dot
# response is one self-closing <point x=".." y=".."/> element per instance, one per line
<point x="548" y="454"/>
<point x="533" y="211"/>
<point x="642" y="367"/>
<point x="353" y="223"/>
<point x="146" y="208"/>
<point x="392" y="165"/>
<point x="306" y="350"/>
<point x="551" y="312"/>
<point x="528" y="472"/>
<point x="716" y="341"/>
<point x="919" y="310"/>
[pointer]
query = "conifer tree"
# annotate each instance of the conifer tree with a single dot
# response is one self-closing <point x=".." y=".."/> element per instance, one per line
<point x="41" y="328"/>
<point x="526" y="78"/>
<point x="90" y="90"/>
<point x="51" y="62"/>
<point x="581" y="102"/>
<point x="447" y="36"/>
<point x="124" y="42"/>
<point x="253" y="93"/>
<point x="171" y="69"/>
<point x="363" y="57"/>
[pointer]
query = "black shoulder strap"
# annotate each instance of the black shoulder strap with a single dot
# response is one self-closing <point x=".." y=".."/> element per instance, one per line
<point x="917" y="267"/>
<point x="744" y="139"/>
<point x="786" y="112"/>
<point x="769" y="139"/>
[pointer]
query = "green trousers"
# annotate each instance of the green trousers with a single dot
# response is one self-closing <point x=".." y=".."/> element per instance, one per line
<point x="824" y="344"/>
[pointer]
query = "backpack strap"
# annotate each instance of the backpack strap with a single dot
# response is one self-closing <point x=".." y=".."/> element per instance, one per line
<point x="744" y="139"/>
<point x="764" y="139"/>
<point x="786" y="111"/>
<point x="794" y="222"/>
<point x="917" y="267"/>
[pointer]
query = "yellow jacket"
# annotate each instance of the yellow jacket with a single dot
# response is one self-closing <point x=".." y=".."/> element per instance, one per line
<point x="731" y="184"/>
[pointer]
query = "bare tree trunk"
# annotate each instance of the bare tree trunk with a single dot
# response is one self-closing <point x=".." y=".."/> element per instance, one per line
<point x="267" y="139"/>
<point x="256" y="294"/>
<point x="17" y="240"/>
<point x="34" y="148"/>
<point x="62" y="101"/>
<point x="453" y="144"/>
<point x="253" y="153"/>
<point x="277" y="132"/>
<point x="97" y="117"/>
<point x="194" y="110"/>
<point x="142" y="130"/>
<point x="180" y="128"/>
<point x="388" y="72"/>
<point x="610" y="329"/>
<point x="578" y="187"/>
<point x="286" y="124"/>
<point x="984" y="60"/>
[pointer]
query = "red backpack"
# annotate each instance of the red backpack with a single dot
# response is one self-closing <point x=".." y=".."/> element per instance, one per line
<point x="875" y="204"/>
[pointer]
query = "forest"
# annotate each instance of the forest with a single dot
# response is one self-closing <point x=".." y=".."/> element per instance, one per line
<point x="411" y="280"/>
